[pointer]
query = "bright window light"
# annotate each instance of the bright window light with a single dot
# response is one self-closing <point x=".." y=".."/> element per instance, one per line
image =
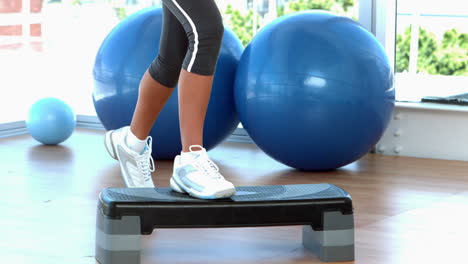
<point x="431" y="49"/>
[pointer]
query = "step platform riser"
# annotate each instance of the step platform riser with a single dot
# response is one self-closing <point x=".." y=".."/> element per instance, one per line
<point x="326" y="212"/>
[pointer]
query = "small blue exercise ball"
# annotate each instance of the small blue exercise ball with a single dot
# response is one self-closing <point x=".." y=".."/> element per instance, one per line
<point x="51" y="121"/>
<point x="122" y="60"/>
<point x="314" y="90"/>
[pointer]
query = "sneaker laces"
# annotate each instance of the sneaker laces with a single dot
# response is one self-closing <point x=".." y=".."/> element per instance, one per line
<point x="146" y="162"/>
<point x="207" y="165"/>
<point x="210" y="168"/>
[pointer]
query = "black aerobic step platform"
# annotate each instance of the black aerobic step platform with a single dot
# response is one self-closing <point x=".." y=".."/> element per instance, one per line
<point x="325" y="210"/>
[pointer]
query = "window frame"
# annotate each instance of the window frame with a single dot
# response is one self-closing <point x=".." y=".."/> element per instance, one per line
<point x="380" y="18"/>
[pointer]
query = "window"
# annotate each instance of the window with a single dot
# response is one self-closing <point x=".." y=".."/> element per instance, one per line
<point x="47" y="48"/>
<point x="431" y="49"/>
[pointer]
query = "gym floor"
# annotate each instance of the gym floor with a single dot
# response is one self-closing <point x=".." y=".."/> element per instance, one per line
<point x="407" y="210"/>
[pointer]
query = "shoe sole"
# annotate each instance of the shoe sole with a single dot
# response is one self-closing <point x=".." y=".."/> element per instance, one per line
<point x="178" y="187"/>
<point x="109" y="144"/>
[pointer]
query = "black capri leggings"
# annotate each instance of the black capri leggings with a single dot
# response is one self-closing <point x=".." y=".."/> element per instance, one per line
<point x="191" y="38"/>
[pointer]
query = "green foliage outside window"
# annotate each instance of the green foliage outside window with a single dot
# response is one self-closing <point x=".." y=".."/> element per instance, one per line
<point x="446" y="57"/>
<point x="242" y="24"/>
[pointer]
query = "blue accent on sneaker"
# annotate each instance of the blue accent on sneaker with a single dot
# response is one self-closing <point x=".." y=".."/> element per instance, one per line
<point x="182" y="174"/>
<point x="145" y="149"/>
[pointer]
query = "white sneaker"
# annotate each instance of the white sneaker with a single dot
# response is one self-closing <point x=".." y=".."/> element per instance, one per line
<point x="136" y="167"/>
<point x="197" y="175"/>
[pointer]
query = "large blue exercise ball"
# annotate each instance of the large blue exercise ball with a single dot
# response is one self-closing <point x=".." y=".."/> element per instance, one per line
<point x="122" y="60"/>
<point x="314" y="90"/>
<point x="50" y="121"/>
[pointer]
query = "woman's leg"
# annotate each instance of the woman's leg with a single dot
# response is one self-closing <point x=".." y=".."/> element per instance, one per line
<point x="158" y="82"/>
<point x="194" y="172"/>
<point x="204" y="28"/>
<point x="194" y="96"/>
<point x="151" y="99"/>
<point x="130" y="145"/>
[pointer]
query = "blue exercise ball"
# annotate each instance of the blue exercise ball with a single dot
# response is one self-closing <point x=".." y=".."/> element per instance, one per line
<point x="314" y="90"/>
<point x="50" y="121"/>
<point x="122" y="60"/>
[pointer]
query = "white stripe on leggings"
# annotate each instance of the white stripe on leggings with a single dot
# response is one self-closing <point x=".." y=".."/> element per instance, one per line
<point x="195" y="33"/>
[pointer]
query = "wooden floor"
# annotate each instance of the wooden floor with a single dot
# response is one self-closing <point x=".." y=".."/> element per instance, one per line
<point x="407" y="210"/>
